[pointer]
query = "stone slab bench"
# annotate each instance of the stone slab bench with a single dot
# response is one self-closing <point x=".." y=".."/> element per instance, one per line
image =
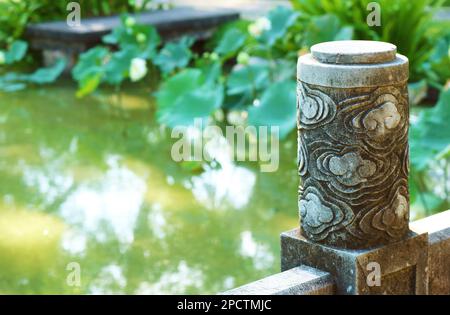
<point x="59" y="37"/>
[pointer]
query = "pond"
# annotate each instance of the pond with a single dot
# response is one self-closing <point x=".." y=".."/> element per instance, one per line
<point x="91" y="182"/>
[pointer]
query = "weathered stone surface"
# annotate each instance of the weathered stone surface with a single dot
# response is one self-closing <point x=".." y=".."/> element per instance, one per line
<point x="403" y="265"/>
<point x="353" y="145"/>
<point x="438" y="228"/>
<point x="302" y="280"/>
<point x="312" y="71"/>
<point x="354" y="52"/>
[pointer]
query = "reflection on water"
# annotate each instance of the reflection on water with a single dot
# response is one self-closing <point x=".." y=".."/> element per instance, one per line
<point x="224" y="188"/>
<point x="174" y="282"/>
<point x="91" y="181"/>
<point x="260" y="253"/>
<point x="113" y="199"/>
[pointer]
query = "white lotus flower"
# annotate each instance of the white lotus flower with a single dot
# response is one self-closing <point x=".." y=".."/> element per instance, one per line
<point x="141" y="38"/>
<point x="138" y="69"/>
<point x="2" y="57"/>
<point x="130" y="22"/>
<point x="137" y="4"/>
<point x="260" y="25"/>
<point x="214" y="56"/>
<point x="243" y="58"/>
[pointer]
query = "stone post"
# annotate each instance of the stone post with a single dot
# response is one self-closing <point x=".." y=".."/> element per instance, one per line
<point x="353" y="162"/>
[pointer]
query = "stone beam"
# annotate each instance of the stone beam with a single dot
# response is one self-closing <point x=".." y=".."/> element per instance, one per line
<point x="301" y="280"/>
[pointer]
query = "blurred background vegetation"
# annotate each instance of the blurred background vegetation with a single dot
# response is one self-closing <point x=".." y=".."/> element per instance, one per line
<point x="66" y="145"/>
<point x="16" y="15"/>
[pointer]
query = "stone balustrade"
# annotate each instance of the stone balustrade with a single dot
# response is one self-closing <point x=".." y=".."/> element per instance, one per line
<point x="354" y="235"/>
<point x="304" y="280"/>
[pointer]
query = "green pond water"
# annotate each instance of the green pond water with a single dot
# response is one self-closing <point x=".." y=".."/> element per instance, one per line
<point x="91" y="182"/>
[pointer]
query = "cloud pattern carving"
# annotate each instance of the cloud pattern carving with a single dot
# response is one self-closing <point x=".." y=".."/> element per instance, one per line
<point x="353" y="163"/>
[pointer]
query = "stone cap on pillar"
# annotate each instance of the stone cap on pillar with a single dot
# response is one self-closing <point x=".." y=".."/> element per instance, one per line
<point x="353" y="63"/>
<point x="354" y="52"/>
<point x="353" y="144"/>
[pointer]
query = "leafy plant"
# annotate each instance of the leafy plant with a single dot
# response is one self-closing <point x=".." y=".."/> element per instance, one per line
<point x="259" y="84"/>
<point x="437" y="67"/>
<point x="12" y="81"/>
<point x="430" y="152"/>
<point x="186" y="96"/>
<point x="103" y="65"/>
<point x="276" y="108"/>
<point x="280" y="19"/>
<point x="89" y="70"/>
<point x="325" y="28"/>
<point x="16" y="15"/>
<point x="262" y="83"/>
<point x="16" y="52"/>
<point x="174" y="55"/>
<point x="407" y="24"/>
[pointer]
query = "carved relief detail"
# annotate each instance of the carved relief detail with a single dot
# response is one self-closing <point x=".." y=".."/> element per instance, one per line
<point x="354" y="168"/>
<point x="317" y="108"/>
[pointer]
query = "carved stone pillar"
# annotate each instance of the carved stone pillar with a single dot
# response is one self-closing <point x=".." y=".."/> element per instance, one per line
<point x="353" y="163"/>
<point x="353" y="144"/>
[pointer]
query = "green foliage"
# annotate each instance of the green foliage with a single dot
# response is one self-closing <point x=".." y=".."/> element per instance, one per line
<point x="49" y="74"/>
<point x="276" y="108"/>
<point x="437" y="67"/>
<point x="231" y="42"/>
<point x="103" y="65"/>
<point x="16" y="52"/>
<point x="11" y="81"/>
<point x="186" y="96"/>
<point x="248" y="79"/>
<point x="174" y="55"/>
<point x="241" y="25"/>
<point x="430" y="152"/>
<point x="326" y="28"/>
<point x="407" y="24"/>
<point x="142" y="39"/>
<point x="118" y="66"/>
<point x="417" y="91"/>
<point x="16" y="15"/>
<point x="89" y="70"/>
<point x="262" y="83"/>
<point x="430" y="135"/>
<point x="281" y="18"/>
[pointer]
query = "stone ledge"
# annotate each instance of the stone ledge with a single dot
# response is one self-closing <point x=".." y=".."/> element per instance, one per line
<point x="438" y="228"/>
<point x="402" y="265"/>
<point x="170" y="24"/>
<point x="302" y="280"/>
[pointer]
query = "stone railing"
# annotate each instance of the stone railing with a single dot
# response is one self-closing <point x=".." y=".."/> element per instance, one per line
<point x="304" y="280"/>
<point x="355" y="236"/>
